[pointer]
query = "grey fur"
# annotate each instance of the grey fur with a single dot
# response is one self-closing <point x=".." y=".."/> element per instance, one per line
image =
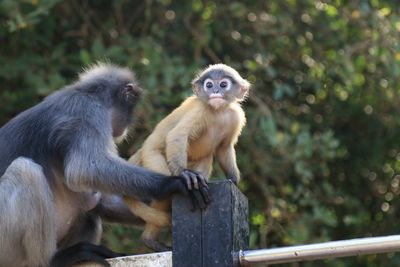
<point x="26" y="198"/>
<point x="70" y="137"/>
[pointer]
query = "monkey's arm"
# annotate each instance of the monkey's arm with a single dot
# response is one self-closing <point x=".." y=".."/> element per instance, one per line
<point x="176" y="147"/>
<point x="111" y="174"/>
<point x="226" y="154"/>
<point x="177" y="141"/>
<point x="91" y="163"/>
<point x="227" y="159"/>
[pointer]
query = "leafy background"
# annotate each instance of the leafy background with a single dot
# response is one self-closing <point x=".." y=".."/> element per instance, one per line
<point x="320" y="154"/>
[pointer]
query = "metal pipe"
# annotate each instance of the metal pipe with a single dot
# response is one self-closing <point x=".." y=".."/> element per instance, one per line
<point x="334" y="249"/>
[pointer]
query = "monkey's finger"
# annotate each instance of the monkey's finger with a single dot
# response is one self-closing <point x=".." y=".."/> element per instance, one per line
<point x="187" y="180"/>
<point x="232" y="178"/>
<point x="202" y="180"/>
<point x="233" y="181"/>
<point x="200" y="201"/>
<point x="205" y="194"/>
<point x="200" y="177"/>
<point x="193" y="177"/>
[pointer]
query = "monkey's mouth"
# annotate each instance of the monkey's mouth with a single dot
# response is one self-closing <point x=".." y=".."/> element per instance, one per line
<point x="216" y="96"/>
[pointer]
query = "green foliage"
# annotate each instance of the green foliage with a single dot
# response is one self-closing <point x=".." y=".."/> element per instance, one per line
<point x="319" y="155"/>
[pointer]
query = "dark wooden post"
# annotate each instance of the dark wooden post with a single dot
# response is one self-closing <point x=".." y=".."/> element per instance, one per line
<point x="212" y="237"/>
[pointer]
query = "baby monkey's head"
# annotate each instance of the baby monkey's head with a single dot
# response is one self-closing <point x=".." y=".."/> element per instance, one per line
<point x="218" y="85"/>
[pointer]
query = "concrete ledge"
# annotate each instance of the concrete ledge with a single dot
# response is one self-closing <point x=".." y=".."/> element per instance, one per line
<point x="163" y="259"/>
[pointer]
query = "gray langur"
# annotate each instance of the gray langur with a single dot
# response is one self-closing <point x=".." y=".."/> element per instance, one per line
<point x="60" y="172"/>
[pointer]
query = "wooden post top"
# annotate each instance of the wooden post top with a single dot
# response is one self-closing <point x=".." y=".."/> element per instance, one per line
<point x="211" y="237"/>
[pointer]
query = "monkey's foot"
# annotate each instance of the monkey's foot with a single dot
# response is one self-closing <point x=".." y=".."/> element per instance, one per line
<point x="82" y="252"/>
<point x="156" y="245"/>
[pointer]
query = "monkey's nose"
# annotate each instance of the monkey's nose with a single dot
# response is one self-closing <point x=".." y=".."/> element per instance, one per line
<point x="135" y="89"/>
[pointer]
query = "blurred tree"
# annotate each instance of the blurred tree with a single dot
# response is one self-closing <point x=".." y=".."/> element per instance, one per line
<point x="320" y="155"/>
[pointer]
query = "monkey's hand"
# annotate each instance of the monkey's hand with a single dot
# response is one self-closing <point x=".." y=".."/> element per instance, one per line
<point x="193" y="177"/>
<point x="233" y="179"/>
<point x="191" y="184"/>
<point x="81" y="252"/>
<point x="198" y="188"/>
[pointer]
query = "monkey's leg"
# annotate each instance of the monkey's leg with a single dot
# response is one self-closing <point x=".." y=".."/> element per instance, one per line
<point x="137" y="207"/>
<point x="147" y="213"/>
<point x="83" y="252"/>
<point x="152" y="231"/>
<point x="112" y="208"/>
<point x="155" y="161"/>
<point x="27" y="218"/>
<point x="79" y="245"/>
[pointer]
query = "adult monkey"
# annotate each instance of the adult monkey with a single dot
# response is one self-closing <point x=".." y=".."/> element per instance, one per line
<point x="57" y="157"/>
<point x="185" y="142"/>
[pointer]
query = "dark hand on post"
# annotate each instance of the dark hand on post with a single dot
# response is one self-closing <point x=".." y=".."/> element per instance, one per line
<point x="191" y="184"/>
<point x="198" y="188"/>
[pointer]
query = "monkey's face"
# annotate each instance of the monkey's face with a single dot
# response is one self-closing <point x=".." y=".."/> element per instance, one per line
<point x="220" y="85"/>
<point x="218" y="91"/>
<point x="128" y="94"/>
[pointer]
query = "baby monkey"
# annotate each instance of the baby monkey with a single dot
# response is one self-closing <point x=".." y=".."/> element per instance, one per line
<point x="185" y="142"/>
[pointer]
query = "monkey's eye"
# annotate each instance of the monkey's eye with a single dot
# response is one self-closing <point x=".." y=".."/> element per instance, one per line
<point x="225" y="84"/>
<point x="208" y="84"/>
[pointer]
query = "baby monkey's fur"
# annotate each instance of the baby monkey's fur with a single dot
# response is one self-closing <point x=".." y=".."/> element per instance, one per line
<point x="185" y="142"/>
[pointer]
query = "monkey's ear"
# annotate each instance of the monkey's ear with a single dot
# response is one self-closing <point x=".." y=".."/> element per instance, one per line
<point x="196" y="86"/>
<point x="244" y="89"/>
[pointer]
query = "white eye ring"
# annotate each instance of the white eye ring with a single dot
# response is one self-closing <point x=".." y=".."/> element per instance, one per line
<point x="226" y="86"/>
<point x="207" y="83"/>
